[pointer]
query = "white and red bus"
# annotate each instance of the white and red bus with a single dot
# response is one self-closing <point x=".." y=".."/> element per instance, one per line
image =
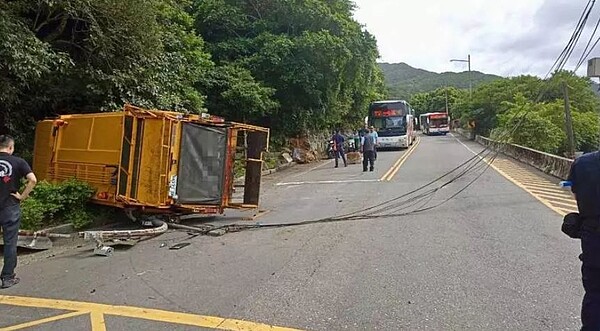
<point x="434" y="123"/>
<point x="394" y="122"/>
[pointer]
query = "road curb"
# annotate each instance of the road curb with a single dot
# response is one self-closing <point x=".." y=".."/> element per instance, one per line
<point x="62" y="229"/>
<point x="276" y="169"/>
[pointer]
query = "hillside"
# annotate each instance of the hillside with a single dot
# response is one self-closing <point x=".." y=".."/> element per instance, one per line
<point x="403" y="80"/>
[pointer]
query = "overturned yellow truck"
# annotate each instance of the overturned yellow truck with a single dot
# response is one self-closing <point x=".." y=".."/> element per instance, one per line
<point x="154" y="161"/>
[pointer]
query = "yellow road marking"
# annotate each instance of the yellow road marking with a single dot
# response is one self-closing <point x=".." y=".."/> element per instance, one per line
<point x="564" y="205"/>
<point x="567" y="211"/>
<point x="545" y="185"/>
<point x="97" y="319"/>
<point x="517" y="183"/>
<point x="537" y="182"/>
<point x="553" y="195"/>
<point x="549" y="191"/>
<point x="44" y="320"/>
<point x="561" y="201"/>
<point x="140" y="313"/>
<point x="536" y="196"/>
<point x="396" y="167"/>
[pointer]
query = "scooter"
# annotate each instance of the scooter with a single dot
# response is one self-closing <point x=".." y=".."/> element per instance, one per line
<point x="330" y="150"/>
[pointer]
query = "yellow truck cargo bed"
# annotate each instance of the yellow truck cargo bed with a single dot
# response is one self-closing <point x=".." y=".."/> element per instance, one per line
<point x="153" y="160"/>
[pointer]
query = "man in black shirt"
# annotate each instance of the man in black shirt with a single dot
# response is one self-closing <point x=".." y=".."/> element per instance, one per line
<point x="585" y="179"/>
<point x="12" y="170"/>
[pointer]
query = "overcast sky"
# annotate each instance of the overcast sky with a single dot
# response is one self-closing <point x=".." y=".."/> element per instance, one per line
<point x="505" y="37"/>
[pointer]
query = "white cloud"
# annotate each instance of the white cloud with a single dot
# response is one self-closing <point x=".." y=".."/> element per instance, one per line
<point x="506" y="37"/>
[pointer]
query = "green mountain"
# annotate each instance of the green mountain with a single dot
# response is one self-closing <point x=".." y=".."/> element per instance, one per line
<point x="402" y="80"/>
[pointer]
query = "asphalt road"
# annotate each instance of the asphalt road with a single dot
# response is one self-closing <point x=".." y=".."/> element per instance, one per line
<point x="492" y="258"/>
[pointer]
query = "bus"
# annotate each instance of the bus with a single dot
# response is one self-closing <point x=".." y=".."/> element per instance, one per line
<point x="394" y="122"/>
<point x="434" y="123"/>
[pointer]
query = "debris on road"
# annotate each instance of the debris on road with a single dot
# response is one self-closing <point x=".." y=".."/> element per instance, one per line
<point x="287" y="157"/>
<point x="179" y="246"/>
<point x="354" y="157"/>
<point x="303" y="156"/>
<point x="39" y="240"/>
<point x="217" y="232"/>
<point x="119" y="237"/>
<point x="103" y="250"/>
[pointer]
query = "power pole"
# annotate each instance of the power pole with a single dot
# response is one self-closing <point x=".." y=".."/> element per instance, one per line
<point x="446" y="89"/>
<point x="468" y="60"/>
<point x="470" y="77"/>
<point x="569" y="123"/>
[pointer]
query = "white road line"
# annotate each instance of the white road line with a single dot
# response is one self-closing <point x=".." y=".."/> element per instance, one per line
<point x="467" y="147"/>
<point x="329" y="182"/>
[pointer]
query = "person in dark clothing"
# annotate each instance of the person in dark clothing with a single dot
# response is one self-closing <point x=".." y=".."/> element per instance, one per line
<point x="368" y="150"/>
<point x="338" y="147"/>
<point x="585" y="180"/>
<point x="12" y="170"/>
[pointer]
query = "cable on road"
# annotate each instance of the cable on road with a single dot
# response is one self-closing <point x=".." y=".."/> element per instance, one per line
<point x="423" y="195"/>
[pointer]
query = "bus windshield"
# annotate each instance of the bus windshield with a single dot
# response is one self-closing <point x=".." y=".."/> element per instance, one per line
<point x="437" y="122"/>
<point x="389" y="122"/>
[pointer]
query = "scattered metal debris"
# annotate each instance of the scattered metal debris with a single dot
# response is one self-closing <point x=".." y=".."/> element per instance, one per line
<point x="39" y="240"/>
<point x="103" y="250"/>
<point x="121" y="237"/>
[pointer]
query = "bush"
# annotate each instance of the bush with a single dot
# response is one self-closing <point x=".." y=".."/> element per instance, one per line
<point x="33" y="213"/>
<point x="79" y="217"/>
<point x="52" y="204"/>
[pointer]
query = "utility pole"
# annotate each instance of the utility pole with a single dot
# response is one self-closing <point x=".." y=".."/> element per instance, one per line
<point x="470" y="77"/>
<point x="468" y="60"/>
<point x="446" y="90"/>
<point x="569" y="123"/>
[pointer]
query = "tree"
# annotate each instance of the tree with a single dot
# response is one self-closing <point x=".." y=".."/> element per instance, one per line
<point x="291" y="65"/>
<point x="435" y="101"/>
<point x="317" y="59"/>
<point x="82" y="56"/>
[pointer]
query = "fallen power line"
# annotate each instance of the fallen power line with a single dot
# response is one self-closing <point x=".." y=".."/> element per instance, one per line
<point x="478" y="164"/>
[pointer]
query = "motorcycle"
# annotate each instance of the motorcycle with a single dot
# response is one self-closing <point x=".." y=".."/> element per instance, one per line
<point x="330" y="150"/>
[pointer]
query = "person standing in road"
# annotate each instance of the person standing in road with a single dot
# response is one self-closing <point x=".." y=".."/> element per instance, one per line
<point x="376" y="136"/>
<point x="338" y="148"/>
<point x="368" y="149"/>
<point x="585" y="180"/>
<point x="12" y="170"/>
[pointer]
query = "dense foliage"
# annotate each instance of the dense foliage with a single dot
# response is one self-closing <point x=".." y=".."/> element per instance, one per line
<point x="525" y="110"/>
<point x="291" y="65"/>
<point x="56" y="203"/>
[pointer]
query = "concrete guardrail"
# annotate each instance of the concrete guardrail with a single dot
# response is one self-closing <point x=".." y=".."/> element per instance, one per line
<point x="553" y="165"/>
